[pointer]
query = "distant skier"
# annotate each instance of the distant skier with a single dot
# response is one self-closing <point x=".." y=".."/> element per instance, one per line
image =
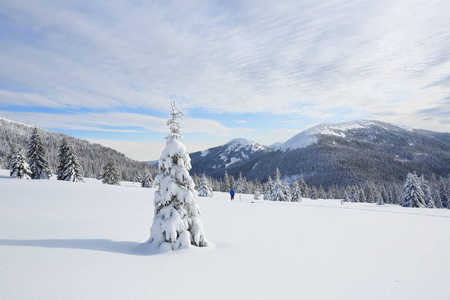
<point x="232" y="194"/>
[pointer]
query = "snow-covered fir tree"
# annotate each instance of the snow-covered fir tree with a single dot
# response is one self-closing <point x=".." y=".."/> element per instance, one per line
<point x="346" y="196"/>
<point x="147" y="180"/>
<point x="427" y="197"/>
<point x="412" y="194"/>
<point x="443" y="192"/>
<point x="304" y="188"/>
<point x="19" y="167"/>
<point x="296" y="192"/>
<point x="69" y="169"/>
<point x="36" y="158"/>
<point x="278" y="189"/>
<point x="205" y="189"/>
<point x="9" y="158"/>
<point x="379" y="198"/>
<point x="269" y="189"/>
<point x="177" y="222"/>
<point x="287" y="191"/>
<point x="257" y="195"/>
<point x="313" y="193"/>
<point x="138" y="178"/>
<point x="111" y="174"/>
<point x="226" y="183"/>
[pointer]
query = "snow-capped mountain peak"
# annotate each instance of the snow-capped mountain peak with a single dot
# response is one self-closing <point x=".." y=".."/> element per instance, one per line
<point x="342" y="129"/>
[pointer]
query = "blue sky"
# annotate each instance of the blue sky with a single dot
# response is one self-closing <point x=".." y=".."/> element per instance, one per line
<point x="106" y="71"/>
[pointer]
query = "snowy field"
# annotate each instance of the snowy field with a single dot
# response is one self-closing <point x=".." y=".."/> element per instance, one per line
<point x="63" y="240"/>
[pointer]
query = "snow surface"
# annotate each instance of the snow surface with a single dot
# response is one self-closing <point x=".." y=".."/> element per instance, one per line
<point x="66" y="240"/>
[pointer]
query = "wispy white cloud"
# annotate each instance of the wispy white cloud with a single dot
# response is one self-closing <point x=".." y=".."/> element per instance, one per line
<point x="262" y="56"/>
<point x="320" y="60"/>
<point x="118" y="121"/>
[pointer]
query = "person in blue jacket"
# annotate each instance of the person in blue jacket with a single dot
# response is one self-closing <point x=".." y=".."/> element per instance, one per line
<point x="232" y="194"/>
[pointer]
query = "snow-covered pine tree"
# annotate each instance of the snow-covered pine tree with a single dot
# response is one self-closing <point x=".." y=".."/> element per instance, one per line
<point x="444" y="192"/>
<point x="278" y="190"/>
<point x="111" y="174"/>
<point x="379" y="198"/>
<point x="226" y="183"/>
<point x="269" y="189"/>
<point x="147" y="180"/>
<point x="296" y="192"/>
<point x="19" y="167"/>
<point x="138" y="178"/>
<point x="304" y="188"/>
<point x="69" y="169"/>
<point x="321" y="193"/>
<point x="354" y="195"/>
<point x="205" y="189"/>
<point x="427" y="197"/>
<point x="36" y="158"/>
<point x="287" y="191"/>
<point x="412" y="194"/>
<point x="257" y="195"/>
<point x="346" y="196"/>
<point x="9" y="158"/>
<point x="177" y="222"/>
<point x="62" y="159"/>
<point x="313" y="193"/>
<point x="362" y="195"/>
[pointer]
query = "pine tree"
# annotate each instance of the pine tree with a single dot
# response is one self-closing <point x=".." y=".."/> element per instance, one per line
<point x="36" y="158"/>
<point x="138" y="178"/>
<point x="269" y="189"/>
<point x="147" y="180"/>
<point x="443" y="192"/>
<point x="69" y="169"/>
<point x="205" y="189"/>
<point x="412" y="194"/>
<point x="9" y="158"/>
<point x="62" y="159"/>
<point x="177" y="222"/>
<point x="226" y="183"/>
<point x="313" y="193"/>
<point x="296" y="192"/>
<point x="19" y="167"/>
<point x="279" y="192"/>
<point x="304" y="188"/>
<point x="379" y="198"/>
<point x="427" y="197"/>
<point x="111" y="174"/>
<point x="257" y="195"/>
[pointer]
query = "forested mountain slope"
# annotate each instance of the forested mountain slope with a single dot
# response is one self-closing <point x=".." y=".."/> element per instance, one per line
<point x="350" y="153"/>
<point x="92" y="157"/>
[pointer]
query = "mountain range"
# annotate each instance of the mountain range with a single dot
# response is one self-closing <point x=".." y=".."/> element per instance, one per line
<point x="344" y="153"/>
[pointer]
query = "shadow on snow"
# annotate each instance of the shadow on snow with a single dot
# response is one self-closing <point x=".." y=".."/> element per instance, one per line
<point x="129" y="248"/>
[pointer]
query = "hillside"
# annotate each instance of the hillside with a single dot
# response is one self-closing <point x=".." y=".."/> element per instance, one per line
<point x="232" y="156"/>
<point x="61" y="240"/>
<point x="350" y="153"/>
<point x="92" y="157"/>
